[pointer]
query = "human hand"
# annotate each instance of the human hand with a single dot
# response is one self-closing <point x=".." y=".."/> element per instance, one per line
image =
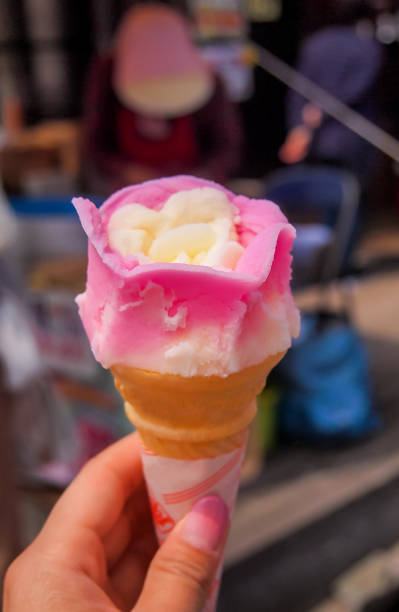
<point x="312" y="116"/>
<point x="296" y="145"/>
<point x="97" y="549"/>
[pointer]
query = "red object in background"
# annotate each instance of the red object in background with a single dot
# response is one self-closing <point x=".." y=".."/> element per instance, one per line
<point x="217" y="130"/>
<point x="179" y="143"/>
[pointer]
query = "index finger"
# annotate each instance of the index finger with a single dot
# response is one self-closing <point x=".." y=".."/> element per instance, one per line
<point x="97" y="496"/>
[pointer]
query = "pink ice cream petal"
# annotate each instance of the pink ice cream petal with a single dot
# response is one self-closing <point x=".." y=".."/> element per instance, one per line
<point x="258" y="257"/>
<point x="93" y="223"/>
<point x="90" y="218"/>
<point x="144" y="315"/>
<point x="258" y="214"/>
<point x="154" y="193"/>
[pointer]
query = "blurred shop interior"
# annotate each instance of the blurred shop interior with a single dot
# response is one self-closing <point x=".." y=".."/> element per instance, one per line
<point x="302" y="108"/>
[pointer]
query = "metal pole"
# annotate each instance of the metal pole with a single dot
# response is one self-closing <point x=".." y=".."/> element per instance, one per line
<point x="327" y="102"/>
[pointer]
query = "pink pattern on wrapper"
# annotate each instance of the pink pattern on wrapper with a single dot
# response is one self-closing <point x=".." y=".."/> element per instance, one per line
<point x="202" y="487"/>
<point x="174" y="485"/>
<point x="147" y="451"/>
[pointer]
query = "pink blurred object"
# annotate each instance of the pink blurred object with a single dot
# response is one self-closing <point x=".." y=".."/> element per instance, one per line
<point x="93" y="439"/>
<point x="157" y="68"/>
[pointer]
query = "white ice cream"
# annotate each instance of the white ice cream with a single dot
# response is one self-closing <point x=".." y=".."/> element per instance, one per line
<point x="193" y="227"/>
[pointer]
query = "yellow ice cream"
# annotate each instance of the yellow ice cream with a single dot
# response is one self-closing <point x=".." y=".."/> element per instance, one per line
<point x="193" y="227"/>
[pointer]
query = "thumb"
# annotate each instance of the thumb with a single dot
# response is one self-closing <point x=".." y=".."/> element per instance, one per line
<point x="182" y="571"/>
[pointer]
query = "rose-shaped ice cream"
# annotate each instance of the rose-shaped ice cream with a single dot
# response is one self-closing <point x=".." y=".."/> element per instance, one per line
<point x="190" y="288"/>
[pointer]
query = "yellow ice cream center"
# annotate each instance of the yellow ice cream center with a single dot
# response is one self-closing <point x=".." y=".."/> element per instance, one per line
<point x="193" y="227"/>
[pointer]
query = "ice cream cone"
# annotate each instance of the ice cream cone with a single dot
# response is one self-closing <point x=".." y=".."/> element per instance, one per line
<point x="187" y="278"/>
<point x="194" y="432"/>
<point x="196" y="417"/>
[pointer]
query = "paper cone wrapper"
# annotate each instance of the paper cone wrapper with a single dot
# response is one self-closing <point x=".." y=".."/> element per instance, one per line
<point x="175" y="484"/>
<point x="194" y="433"/>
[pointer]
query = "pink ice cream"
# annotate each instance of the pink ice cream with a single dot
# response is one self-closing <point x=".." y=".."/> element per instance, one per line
<point x="183" y="318"/>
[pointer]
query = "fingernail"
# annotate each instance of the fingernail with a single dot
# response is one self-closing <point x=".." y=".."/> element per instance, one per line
<point x="206" y="523"/>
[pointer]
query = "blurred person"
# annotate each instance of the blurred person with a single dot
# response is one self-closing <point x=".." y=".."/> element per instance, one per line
<point x="153" y="107"/>
<point x="345" y="60"/>
<point x="97" y="549"/>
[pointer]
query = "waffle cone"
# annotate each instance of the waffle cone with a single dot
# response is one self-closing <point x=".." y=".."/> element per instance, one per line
<point x="191" y="418"/>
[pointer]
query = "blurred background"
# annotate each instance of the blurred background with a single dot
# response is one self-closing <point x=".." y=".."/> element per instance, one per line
<point x="99" y="94"/>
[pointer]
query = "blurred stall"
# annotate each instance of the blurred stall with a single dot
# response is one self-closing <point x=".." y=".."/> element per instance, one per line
<point x="42" y="158"/>
<point x="154" y="107"/>
<point x="52" y="254"/>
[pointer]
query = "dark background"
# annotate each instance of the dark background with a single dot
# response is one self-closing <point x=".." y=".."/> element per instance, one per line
<point x="46" y="47"/>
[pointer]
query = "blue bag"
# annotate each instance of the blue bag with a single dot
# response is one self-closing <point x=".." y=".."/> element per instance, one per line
<point x="325" y="382"/>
